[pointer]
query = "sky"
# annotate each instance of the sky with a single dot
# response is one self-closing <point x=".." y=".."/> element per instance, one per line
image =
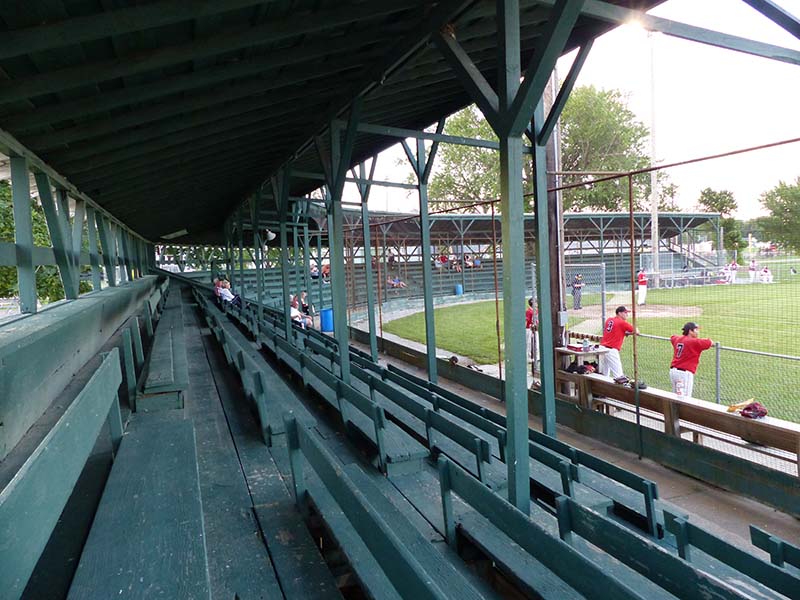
<point x="707" y="101"/>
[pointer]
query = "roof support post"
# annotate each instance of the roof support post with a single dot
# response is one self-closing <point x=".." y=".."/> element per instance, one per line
<point x="255" y="205"/>
<point x="341" y="152"/>
<point x="422" y="166"/>
<point x="94" y="257"/>
<point x="306" y="257"/>
<point x="57" y="225"/>
<point x="364" y="190"/>
<point x="512" y="225"/>
<point x="240" y="233"/>
<point x="280" y="190"/>
<point x="23" y="234"/>
<point x="544" y="248"/>
<point x="298" y="276"/>
<point x="108" y="253"/>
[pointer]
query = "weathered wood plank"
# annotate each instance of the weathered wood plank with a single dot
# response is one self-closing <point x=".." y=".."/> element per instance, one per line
<point x="31" y="503"/>
<point x="147" y="539"/>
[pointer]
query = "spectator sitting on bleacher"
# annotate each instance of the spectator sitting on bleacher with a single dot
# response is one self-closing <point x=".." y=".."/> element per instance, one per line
<point x="227" y="295"/>
<point x="305" y="321"/>
<point x="217" y="283"/>
<point x="326" y="272"/>
<point x="314" y="273"/>
<point x="468" y="264"/>
<point x="305" y="307"/>
<point x="395" y="282"/>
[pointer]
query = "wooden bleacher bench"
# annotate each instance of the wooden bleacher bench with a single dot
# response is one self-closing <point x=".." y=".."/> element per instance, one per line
<point x="397" y="451"/>
<point x="147" y="538"/>
<point x="717" y="556"/>
<point x="258" y="380"/>
<point x="780" y="551"/>
<point x="166" y="375"/>
<point x="629" y="492"/>
<point x="579" y="526"/>
<point x="512" y="539"/>
<point x="372" y="540"/>
<point x="31" y="503"/>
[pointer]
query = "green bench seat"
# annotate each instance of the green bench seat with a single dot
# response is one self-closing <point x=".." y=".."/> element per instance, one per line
<point x="383" y="563"/>
<point x="147" y="538"/>
<point x="166" y="376"/>
<point x="32" y="502"/>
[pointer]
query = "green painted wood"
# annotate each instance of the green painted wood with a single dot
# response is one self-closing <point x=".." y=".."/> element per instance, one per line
<point x="109" y="253"/>
<point x="239" y="563"/>
<point x="29" y="509"/>
<point x="578" y="571"/>
<point x="138" y="350"/>
<point x="23" y="234"/>
<point x="273" y="30"/>
<point x="744" y="563"/>
<point x="147" y="538"/>
<point x="654" y="562"/>
<point x="167" y="369"/>
<point x="126" y="355"/>
<point x="94" y="256"/>
<point x="56" y="222"/>
<point x="437" y="567"/>
<point x="300" y="568"/>
<point x="527" y="573"/>
<point x="400" y="565"/>
<point x="780" y="550"/>
<point x="40" y="353"/>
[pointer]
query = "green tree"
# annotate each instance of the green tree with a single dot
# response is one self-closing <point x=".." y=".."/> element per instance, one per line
<point x="48" y="281"/>
<point x="721" y="202"/>
<point x="464" y="174"/>
<point x="598" y="133"/>
<point x="724" y="203"/>
<point x="781" y="224"/>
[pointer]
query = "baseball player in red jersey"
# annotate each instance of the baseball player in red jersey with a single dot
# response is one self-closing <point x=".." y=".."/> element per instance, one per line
<point x="685" y="358"/>
<point x="614" y="332"/>
<point x="642" y="281"/>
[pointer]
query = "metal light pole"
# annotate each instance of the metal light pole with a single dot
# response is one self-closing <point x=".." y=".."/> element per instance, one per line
<point x="654" y="239"/>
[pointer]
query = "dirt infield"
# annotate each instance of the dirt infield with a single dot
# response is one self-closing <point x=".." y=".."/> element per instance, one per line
<point x="593" y="314"/>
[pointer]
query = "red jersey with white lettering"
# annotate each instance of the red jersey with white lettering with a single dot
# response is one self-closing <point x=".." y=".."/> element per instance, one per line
<point x="614" y="332"/>
<point x="687" y="349"/>
<point x="642" y="278"/>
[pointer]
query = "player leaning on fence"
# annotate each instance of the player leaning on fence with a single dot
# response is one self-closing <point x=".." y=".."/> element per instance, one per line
<point x="685" y="358"/>
<point x="614" y="332"/>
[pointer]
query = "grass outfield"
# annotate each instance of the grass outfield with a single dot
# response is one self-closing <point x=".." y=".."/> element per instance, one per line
<point x="764" y="318"/>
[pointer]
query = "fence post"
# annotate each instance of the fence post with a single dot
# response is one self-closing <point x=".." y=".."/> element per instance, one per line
<point x="718" y="349"/>
<point x="603" y="293"/>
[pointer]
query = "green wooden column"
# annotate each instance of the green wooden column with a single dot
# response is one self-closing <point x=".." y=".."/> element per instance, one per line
<point x="57" y="225"/>
<point x="23" y="234"/>
<point x="513" y="235"/>
<point x="105" y="242"/>
<point x="240" y="234"/>
<point x="94" y="257"/>
<point x="422" y="166"/>
<point x="255" y="206"/>
<point x="364" y="190"/>
<point x="280" y="190"/>
<point x="543" y="284"/>
<point x="341" y="151"/>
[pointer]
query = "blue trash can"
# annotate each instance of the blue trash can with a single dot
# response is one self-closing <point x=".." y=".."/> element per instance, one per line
<point x="459" y="289"/>
<point x="326" y="320"/>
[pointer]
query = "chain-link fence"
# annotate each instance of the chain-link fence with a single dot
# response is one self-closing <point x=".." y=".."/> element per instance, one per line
<point x="725" y="375"/>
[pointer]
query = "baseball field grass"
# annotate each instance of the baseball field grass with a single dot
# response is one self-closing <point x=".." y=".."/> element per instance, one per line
<point x="763" y="318"/>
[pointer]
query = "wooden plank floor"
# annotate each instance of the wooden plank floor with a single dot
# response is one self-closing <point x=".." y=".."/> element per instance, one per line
<point x="238" y="561"/>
